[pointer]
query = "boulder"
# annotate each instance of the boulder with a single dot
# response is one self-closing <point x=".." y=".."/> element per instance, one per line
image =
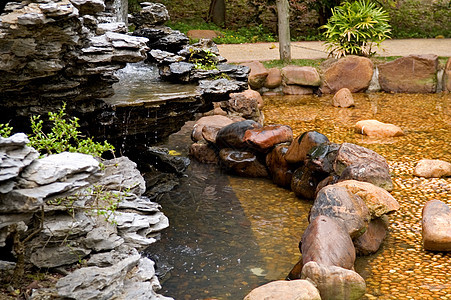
<point x="447" y="76"/>
<point x="374" y="128"/>
<point x="150" y="15"/>
<point x="343" y="98"/>
<point x="216" y="121"/>
<point x="274" y="78"/>
<point x="245" y="104"/>
<point x="209" y="133"/>
<point x="334" y="283"/>
<point x="321" y="158"/>
<point x="164" y="161"/>
<point x="258" y="74"/>
<point x="203" y="153"/>
<point x="296" y="90"/>
<point x="372" y="172"/>
<point x="436" y="222"/>
<point x="348" y="209"/>
<point x="297" y="152"/>
<point x="89" y="7"/>
<point x="331" y="179"/>
<point x="410" y="74"/>
<point x="232" y="136"/>
<point x="264" y="138"/>
<point x="286" y="290"/>
<point x="304" y="182"/>
<point x="58" y="255"/>
<point x="371" y="240"/>
<point x="243" y="163"/>
<point x="352" y="72"/>
<point x="328" y="243"/>
<point x="432" y="168"/>
<point x="305" y="76"/>
<point x="278" y="167"/>
<point x="220" y="89"/>
<point x="378" y="200"/>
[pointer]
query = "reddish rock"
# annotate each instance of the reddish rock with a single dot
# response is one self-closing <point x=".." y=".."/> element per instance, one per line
<point x="436" y="226"/>
<point x="295" y="272"/>
<point x="371" y="240"/>
<point x="203" y="153"/>
<point x="296" y="90"/>
<point x="328" y="243"/>
<point x="304" y="182"/>
<point x="242" y="163"/>
<point x="343" y="98"/>
<point x="307" y="76"/>
<point x="202" y="34"/>
<point x="447" y="76"/>
<point x="218" y="121"/>
<point x="266" y="137"/>
<point x="209" y="133"/>
<point x="286" y="290"/>
<point x="243" y="104"/>
<point x="297" y="152"/>
<point x="352" y="72"/>
<point x="410" y="74"/>
<point x="432" y="168"/>
<point x="279" y="169"/>
<point x="232" y="135"/>
<point x="274" y="78"/>
<point x="349" y="154"/>
<point x="337" y="202"/>
<point x="331" y="179"/>
<point x="258" y="74"/>
<point x="378" y="129"/>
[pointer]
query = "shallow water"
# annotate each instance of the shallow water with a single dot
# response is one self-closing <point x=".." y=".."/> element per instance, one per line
<point x="230" y="234"/>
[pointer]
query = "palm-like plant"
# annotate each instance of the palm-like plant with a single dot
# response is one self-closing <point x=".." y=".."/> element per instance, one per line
<point x="355" y="28"/>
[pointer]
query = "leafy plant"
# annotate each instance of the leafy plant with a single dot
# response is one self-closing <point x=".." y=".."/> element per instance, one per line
<point x="203" y="59"/>
<point x="355" y="27"/>
<point x="5" y="130"/>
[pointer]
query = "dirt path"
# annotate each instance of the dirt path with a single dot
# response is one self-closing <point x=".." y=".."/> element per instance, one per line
<point x="314" y="50"/>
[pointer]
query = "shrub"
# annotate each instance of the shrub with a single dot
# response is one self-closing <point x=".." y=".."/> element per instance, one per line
<point x="355" y="28"/>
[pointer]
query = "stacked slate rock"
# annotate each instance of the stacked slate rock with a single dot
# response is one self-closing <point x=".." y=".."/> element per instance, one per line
<point x="84" y="214"/>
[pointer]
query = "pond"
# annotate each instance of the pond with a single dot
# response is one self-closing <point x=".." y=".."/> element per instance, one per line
<point x="229" y="235"/>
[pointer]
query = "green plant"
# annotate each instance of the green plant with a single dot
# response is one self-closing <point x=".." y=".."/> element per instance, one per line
<point x="203" y="59"/>
<point x="355" y="27"/>
<point x="5" y="130"/>
<point x="63" y="136"/>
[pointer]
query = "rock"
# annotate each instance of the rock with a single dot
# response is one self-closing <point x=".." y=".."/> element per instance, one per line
<point x="436" y="222"/>
<point x="447" y="76"/>
<point x="220" y="89"/>
<point x="209" y="133"/>
<point x="378" y="200"/>
<point x="59" y="255"/>
<point x="287" y="290"/>
<point x="331" y="179"/>
<point x="305" y="76"/>
<point x="371" y="240"/>
<point x="432" y="168"/>
<point x="151" y="14"/>
<point x="216" y="121"/>
<point x="164" y="57"/>
<point x="352" y="72"/>
<point x="348" y="209"/>
<point x="164" y="161"/>
<point x="62" y="226"/>
<point x="242" y="163"/>
<point x="103" y="237"/>
<point x="304" y="182"/>
<point x="326" y="242"/>
<point x="258" y="74"/>
<point x="278" y="167"/>
<point x="343" y="98"/>
<point x="89" y="7"/>
<point x="202" y="34"/>
<point x="372" y="172"/>
<point x="374" y="128"/>
<point x="232" y="136"/>
<point x="334" y="283"/>
<point x="410" y="74"/>
<point x="321" y="158"/>
<point x="296" y="90"/>
<point x="297" y="152"/>
<point x="244" y="104"/>
<point x="274" y="78"/>
<point x="264" y="138"/>
<point x="295" y="272"/>
<point x="203" y="153"/>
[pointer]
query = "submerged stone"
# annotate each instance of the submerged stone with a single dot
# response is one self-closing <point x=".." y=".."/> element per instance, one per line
<point x="243" y="163"/>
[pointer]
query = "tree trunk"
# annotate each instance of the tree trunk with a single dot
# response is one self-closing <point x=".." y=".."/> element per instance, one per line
<point x="283" y="16"/>
<point x="217" y="12"/>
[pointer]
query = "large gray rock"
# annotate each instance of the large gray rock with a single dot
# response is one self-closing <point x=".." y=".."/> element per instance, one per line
<point x="151" y="14"/>
<point x="57" y="255"/>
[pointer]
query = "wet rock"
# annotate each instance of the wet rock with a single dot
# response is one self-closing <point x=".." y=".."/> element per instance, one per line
<point x="295" y="272"/>
<point x="432" y="168"/>
<point x="304" y="182"/>
<point x="334" y="283"/>
<point x="352" y="72"/>
<point x="178" y="71"/>
<point x="369" y="242"/>
<point x="220" y="89"/>
<point x="375" y="128"/>
<point x="232" y="136"/>
<point x="410" y="74"/>
<point x="244" y="104"/>
<point x="436" y="222"/>
<point x="274" y="78"/>
<point x="348" y="209"/>
<point x="164" y="161"/>
<point x="151" y="14"/>
<point x="287" y="290"/>
<point x="326" y="242"/>
<point x="278" y="167"/>
<point x="296" y="90"/>
<point x="258" y="74"/>
<point x="266" y="137"/>
<point x="378" y="200"/>
<point x="242" y="163"/>
<point x="447" y="76"/>
<point x="305" y="76"/>
<point x="343" y="98"/>
<point x="297" y="152"/>
<point x="204" y="153"/>
<point x="372" y="172"/>
<point x="321" y="158"/>
<point x="164" y="57"/>
<point x="215" y="121"/>
<point x="209" y="133"/>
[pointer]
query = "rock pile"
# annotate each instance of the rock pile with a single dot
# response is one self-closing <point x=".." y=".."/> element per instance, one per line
<point x="79" y="213"/>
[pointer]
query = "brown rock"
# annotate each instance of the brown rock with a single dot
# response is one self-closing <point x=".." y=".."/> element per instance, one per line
<point x="378" y="200"/>
<point x="447" y="76"/>
<point x="326" y="242"/>
<point x="375" y="128"/>
<point x="335" y="283"/>
<point x="304" y="182"/>
<point x="242" y="163"/>
<point x="338" y="203"/>
<point x="274" y="78"/>
<point x="209" y="133"/>
<point x="286" y="290"/>
<point x="279" y="169"/>
<point x="296" y="90"/>
<point x="352" y="72"/>
<point x="321" y="158"/>
<point x="343" y="98"/>
<point x="410" y="74"/>
<point x="203" y="153"/>
<point x="295" y="272"/>
<point x="266" y="137"/>
<point x="258" y="74"/>
<point x="202" y="34"/>
<point x="371" y="240"/>
<point x="331" y="179"/>
<point x="217" y="121"/>
<point x="244" y="104"/>
<point x="232" y="135"/>
<point x="436" y="226"/>
<point x="307" y="76"/>
<point x="432" y="168"/>
<point x="297" y="152"/>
